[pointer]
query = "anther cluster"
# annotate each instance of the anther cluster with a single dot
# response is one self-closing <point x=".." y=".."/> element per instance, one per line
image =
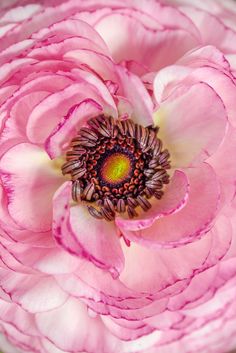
<point x="97" y="147"/>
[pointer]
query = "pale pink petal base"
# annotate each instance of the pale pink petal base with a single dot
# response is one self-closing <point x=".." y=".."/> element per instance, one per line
<point x="30" y="182"/>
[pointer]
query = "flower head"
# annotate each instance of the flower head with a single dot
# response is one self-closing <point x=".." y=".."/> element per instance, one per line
<point x="117" y="166"/>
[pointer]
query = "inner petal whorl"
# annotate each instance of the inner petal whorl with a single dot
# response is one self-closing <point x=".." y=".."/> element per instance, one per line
<point x="116" y="165"/>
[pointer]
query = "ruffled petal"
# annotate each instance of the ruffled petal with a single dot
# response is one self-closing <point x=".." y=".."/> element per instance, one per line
<point x="190" y="222"/>
<point x="31" y="181"/>
<point x="19" y="107"/>
<point x="13" y="314"/>
<point x="100" y="245"/>
<point x="67" y="29"/>
<point x="148" y="42"/>
<point x="50" y="260"/>
<point x="168" y="265"/>
<point x="223" y="84"/>
<point x="191" y="127"/>
<point x="80" y="331"/>
<point x="68" y="127"/>
<point x="225" y="168"/>
<point x="14" y="128"/>
<point x="204" y="58"/>
<point x="46" y="115"/>
<point x="9" y="69"/>
<point x="126" y="330"/>
<point x="175" y="198"/>
<point x="24" y="290"/>
<point x="213" y="31"/>
<point x="20" y="13"/>
<point x="6" y="346"/>
<point x="94" y="62"/>
<point x="19" y="339"/>
<point x="133" y="89"/>
<point x="165" y="320"/>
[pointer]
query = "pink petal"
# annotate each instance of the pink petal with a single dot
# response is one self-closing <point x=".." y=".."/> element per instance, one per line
<point x="103" y="93"/>
<point x="46" y="115"/>
<point x="134" y="90"/>
<point x="19" y="107"/>
<point x="163" y="14"/>
<point x="35" y="293"/>
<point x="165" y="320"/>
<point x="126" y="333"/>
<point x="70" y="28"/>
<point x="175" y="198"/>
<point x="69" y="126"/>
<point x="205" y="56"/>
<point x="4" y="214"/>
<point x="93" y="61"/>
<point x="222" y="240"/>
<point x="225" y="169"/>
<point x="9" y="69"/>
<point x="15" y="50"/>
<point x="213" y="31"/>
<point x="80" y="332"/>
<point x="148" y="43"/>
<point x="6" y="92"/>
<point x="231" y="253"/>
<point x="166" y="80"/>
<point x="14" y="127"/>
<point x="49" y="260"/>
<point x="40" y="20"/>
<point x="19" y="339"/>
<point x="218" y="301"/>
<point x="13" y="314"/>
<point x="100" y="244"/>
<point x="232" y="60"/>
<point x="207" y="65"/>
<point x="223" y="85"/>
<point x="168" y="265"/>
<point x="6" y="345"/>
<point x="190" y="222"/>
<point x="56" y="48"/>
<point x="112" y="297"/>
<point x="92" y="282"/>
<point x="31" y="181"/>
<point x="191" y="127"/>
<point x="9" y="261"/>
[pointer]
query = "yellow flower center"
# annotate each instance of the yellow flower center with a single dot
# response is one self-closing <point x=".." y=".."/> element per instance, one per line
<point x="116" y="168"/>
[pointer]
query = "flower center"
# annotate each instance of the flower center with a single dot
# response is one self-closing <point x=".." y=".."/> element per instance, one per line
<point x="116" y="166"/>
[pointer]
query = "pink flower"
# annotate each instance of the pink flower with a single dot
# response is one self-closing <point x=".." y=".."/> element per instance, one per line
<point x="118" y="176"/>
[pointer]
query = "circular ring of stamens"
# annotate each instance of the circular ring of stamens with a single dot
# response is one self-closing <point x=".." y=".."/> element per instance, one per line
<point x="116" y="165"/>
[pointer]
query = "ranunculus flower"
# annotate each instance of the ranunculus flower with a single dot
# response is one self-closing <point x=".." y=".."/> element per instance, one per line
<point x="118" y="176"/>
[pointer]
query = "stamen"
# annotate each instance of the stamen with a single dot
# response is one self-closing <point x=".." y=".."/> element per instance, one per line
<point x="121" y="206"/>
<point x="95" y="213"/>
<point x="76" y="191"/>
<point x="144" y="203"/>
<point x="88" y="192"/>
<point x="116" y="166"/>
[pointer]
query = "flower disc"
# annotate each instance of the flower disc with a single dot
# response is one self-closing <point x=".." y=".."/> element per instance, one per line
<point x="116" y="165"/>
<point x="116" y="168"/>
